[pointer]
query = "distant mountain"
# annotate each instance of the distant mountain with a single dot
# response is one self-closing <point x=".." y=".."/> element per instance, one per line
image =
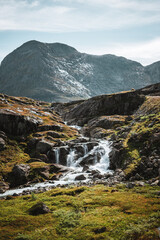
<point x="58" y="72"/>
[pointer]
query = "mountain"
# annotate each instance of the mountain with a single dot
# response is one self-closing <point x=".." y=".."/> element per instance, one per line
<point x="58" y="72"/>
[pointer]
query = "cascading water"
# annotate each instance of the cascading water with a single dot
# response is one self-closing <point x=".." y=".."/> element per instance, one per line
<point x="57" y="155"/>
<point x="70" y="158"/>
<point x="95" y="158"/>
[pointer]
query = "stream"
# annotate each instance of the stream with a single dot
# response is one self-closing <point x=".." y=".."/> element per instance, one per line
<point x="83" y="159"/>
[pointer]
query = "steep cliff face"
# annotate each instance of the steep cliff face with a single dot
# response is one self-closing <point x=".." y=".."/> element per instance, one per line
<point x="57" y="72"/>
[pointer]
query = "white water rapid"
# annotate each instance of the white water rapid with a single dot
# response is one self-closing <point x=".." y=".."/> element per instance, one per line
<point x="92" y="154"/>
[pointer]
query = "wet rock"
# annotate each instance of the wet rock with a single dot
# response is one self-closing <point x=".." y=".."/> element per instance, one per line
<point x="62" y="153"/>
<point x="43" y="146"/>
<point x="3" y="187"/>
<point x="2" y="144"/>
<point x="56" y="168"/>
<point x="19" y="175"/>
<point x="56" y="177"/>
<point x="15" y="195"/>
<point x="89" y="160"/>
<point x="114" y="157"/>
<point x="85" y="168"/>
<point x="39" y="208"/>
<point x="80" y="177"/>
<point x="107" y="175"/>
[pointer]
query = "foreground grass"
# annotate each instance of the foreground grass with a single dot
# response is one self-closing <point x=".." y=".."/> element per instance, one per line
<point x="84" y="213"/>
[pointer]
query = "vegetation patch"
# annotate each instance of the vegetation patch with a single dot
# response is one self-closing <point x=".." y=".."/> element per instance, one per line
<point x="90" y="213"/>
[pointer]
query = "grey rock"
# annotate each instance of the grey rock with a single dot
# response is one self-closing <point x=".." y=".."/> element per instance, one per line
<point x="80" y="177"/>
<point x="44" y="146"/>
<point x="19" y="175"/>
<point x="39" y="208"/>
<point x="130" y="185"/>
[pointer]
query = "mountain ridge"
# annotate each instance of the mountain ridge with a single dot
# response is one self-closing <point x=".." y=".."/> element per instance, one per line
<point x="58" y="72"/>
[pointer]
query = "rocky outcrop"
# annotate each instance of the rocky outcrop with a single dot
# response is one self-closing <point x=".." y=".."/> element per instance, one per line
<point x="43" y="146"/>
<point x="153" y="90"/>
<point x="96" y="127"/>
<point x="16" y="124"/>
<point x="124" y="103"/>
<point x="136" y="150"/>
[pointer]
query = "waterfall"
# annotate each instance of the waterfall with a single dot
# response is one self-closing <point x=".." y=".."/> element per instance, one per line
<point x="93" y="153"/>
<point x="57" y="155"/>
<point x="70" y="158"/>
<point x="85" y="149"/>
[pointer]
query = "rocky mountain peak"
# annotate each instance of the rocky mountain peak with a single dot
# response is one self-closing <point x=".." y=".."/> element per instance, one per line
<point x="58" y="72"/>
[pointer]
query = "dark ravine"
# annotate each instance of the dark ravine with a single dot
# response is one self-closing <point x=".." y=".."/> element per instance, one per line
<point x="38" y="146"/>
<point x="59" y="73"/>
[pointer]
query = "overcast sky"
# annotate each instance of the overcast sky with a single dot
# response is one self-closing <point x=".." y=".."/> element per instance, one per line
<point x="129" y="28"/>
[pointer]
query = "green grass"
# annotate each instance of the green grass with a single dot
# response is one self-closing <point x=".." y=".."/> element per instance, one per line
<point x="77" y="213"/>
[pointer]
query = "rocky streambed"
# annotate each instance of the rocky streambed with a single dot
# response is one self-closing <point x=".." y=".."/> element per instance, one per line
<point x="81" y="161"/>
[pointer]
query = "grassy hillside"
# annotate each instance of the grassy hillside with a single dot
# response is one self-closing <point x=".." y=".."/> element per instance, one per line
<point x="84" y="213"/>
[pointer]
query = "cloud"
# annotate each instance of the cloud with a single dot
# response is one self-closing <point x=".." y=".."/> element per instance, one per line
<point x="143" y="52"/>
<point x="78" y="15"/>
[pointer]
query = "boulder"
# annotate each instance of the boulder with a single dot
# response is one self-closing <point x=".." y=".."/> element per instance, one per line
<point x="19" y="175"/>
<point x="39" y="208"/>
<point x="43" y="146"/>
<point x="89" y="160"/>
<point x="80" y="177"/>
<point x="85" y="168"/>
